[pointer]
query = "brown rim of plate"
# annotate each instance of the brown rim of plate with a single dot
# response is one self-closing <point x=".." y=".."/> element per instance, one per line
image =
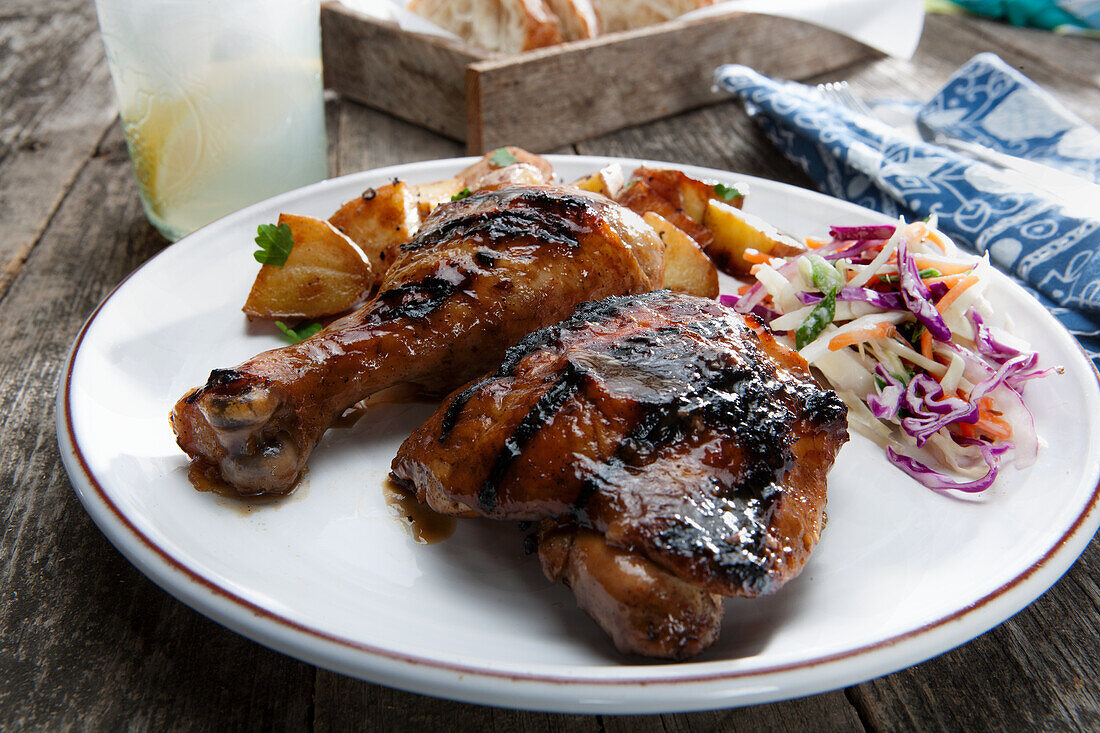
<point x="461" y="669"/>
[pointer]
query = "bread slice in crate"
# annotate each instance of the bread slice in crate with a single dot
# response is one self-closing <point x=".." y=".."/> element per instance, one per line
<point x="577" y="18"/>
<point x="504" y="26"/>
<point x="623" y="15"/>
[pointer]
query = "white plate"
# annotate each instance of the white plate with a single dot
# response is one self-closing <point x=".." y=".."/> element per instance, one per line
<point x="329" y="575"/>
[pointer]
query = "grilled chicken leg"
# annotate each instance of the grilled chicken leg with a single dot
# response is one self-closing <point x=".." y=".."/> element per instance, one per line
<point x="481" y="273"/>
<point x="667" y="426"/>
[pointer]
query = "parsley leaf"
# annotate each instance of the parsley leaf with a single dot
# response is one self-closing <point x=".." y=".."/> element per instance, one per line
<point x="462" y="194"/>
<point x="726" y="193"/>
<point x="275" y="244"/>
<point x="501" y="157"/>
<point x="294" y="335"/>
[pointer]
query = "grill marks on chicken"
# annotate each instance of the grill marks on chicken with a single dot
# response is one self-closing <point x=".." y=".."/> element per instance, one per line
<point x="663" y="422"/>
<point x="481" y="273"/>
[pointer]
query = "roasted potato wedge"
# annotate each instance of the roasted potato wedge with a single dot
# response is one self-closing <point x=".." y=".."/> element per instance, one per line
<point x="517" y="174"/>
<point x="471" y="177"/>
<point x="687" y="195"/>
<point x="735" y="231"/>
<point x="607" y="181"/>
<point x="640" y="196"/>
<point x="687" y="267"/>
<point x="431" y="195"/>
<point x="379" y="221"/>
<point x="324" y="274"/>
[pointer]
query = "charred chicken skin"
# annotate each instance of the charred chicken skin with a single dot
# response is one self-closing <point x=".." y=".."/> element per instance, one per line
<point x="665" y="423"/>
<point x="480" y="274"/>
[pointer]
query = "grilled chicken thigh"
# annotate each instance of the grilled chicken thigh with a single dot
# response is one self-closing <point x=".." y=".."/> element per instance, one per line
<point x="667" y="424"/>
<point x="480" y="274"/>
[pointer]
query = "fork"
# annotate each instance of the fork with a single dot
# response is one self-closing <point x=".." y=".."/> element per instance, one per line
<point x="1072" y="190"/>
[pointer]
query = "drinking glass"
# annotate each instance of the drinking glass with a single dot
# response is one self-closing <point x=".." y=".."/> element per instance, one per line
<point x="221" y="102"/>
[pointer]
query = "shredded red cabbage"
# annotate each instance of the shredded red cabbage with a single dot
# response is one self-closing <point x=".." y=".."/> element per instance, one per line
<point x="752" y="297"/>
<point x="938" y="481"/>
<point x="1008" y="371"/>
<point x="917" y="295"/>
<point x="878" y="231"/>
<point x="765" y="314"/>
<point x="988" y="346"/>
<point x="886" y="403"/>
<point x="930" y="409"/>
<point x="859" y="247"/>
<point x="999" y="352"/>
<point x="886" y="301"/>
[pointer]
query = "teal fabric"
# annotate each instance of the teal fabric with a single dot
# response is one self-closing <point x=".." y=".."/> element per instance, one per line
<point x="1030" y="13"/>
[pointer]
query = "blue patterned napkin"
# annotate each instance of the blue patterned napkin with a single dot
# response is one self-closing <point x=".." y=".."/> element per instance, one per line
<point x="1051" y="249"/>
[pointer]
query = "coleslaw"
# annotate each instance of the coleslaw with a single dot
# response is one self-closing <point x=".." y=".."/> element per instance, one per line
<point x="895" y="319"/>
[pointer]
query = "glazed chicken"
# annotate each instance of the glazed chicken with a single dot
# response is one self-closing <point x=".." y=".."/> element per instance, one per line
<point x="480" y="274"/>
<point x="678" y="451"/>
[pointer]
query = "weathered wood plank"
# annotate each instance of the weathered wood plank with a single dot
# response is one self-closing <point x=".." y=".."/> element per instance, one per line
<point x="828" y="712"/>
<point x="85" y="640"/>
<point x="56" y="102"/>
<point x="417" y="78"/>
<point x="1074" y="55"/>
<point x="366" y="140"/>
<point x="346" y="704"/>
<point x="949" y="42"/>
<point x="721" y="136"/>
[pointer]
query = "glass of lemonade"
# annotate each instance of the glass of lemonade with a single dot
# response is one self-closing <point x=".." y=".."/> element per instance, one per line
<point x="221" y="102"/>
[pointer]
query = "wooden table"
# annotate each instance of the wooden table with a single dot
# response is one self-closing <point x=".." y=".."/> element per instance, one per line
<point x="87" y="641"/>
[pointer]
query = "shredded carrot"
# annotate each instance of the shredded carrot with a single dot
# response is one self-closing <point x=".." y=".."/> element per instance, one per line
<point x="934" y="237"/>
<point x="926" y="344"/>
<point x="754" y="255"/>
<point x="815" y="243"/>
<point x="948" y="280"/>
<point x="967" y="430"/>
<point x="754" y="269"/>
<point x="858" y="336"/>
<point x="918" y="230"/>
<point x="993" y="426"/>
<point x="743" y="289"/>
<point x="921" y="231"/>
<point x="944" y="268"/>
<point x="956" y="290"/>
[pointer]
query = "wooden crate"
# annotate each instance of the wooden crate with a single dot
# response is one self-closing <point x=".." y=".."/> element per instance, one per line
<point x="550" y="97"/>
